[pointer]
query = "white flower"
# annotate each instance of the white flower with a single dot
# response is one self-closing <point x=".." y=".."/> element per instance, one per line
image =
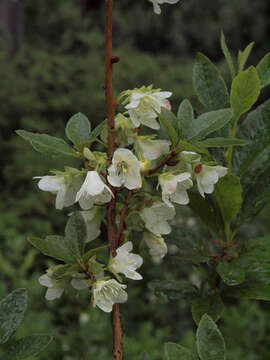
<point x="53" y="292"/>
<point x="157" y="3"/>
<point x="126" y="262"/>
<point x="79" y="282"/>
<point x="156" y="216"/>
<point x="208" y="176"/>
<point x="152" y="149"/>
<point x="106" y="293"/>
<point x="93" y="190"/>
<point x="92" y="218"/>
<point x="174" y="188"/>
<point x="157" y="246"/>
<point x="144" y="106"/>
<point x="65" y="186"/>
<point x="125" y="170"/>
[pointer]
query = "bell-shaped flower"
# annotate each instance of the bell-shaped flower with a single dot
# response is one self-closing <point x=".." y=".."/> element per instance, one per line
<point x="93" y="191"/>
<point x="144" y="105"/>
<point x="126" y="262"/>
<point x="207" y="176"/>
<point x="64" y="184"/>
<point x="157" y="3"/>
<point x="157" y="246"/>
<point x="174" y="188"/>
<point x="125" y="170"/>
<point x="106" y="293"/>
<point x="55" y="289"/>
<point x="152" y="149"/>
<point x="92" y="218"/>
<point x="156" y="216"/>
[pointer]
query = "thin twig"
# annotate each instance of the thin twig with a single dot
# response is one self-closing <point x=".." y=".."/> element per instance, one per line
<point x="109" y="61"/>
<point x="162" y="163"/>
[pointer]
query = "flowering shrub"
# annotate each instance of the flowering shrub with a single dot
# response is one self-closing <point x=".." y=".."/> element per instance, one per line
<point x="137" y="166"/>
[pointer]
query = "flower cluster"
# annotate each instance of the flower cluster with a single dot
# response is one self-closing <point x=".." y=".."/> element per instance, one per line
<point x="140" y="164"/>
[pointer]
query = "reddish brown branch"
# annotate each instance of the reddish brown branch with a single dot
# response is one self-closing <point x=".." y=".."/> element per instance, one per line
<point x="119" y="238"/>
<point x="109" y="61"/>
<point x="162" y="163"/>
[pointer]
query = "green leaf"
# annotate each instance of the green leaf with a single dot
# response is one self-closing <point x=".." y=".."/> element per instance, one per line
<point x="26" y="347"/>
<point x="208" y="123"/>
<point x="228" y="193"/>
<point x="211" y="305"/>
<point x="255" y="129"/>
<point x="209" y="84"/>
<point x="256" y="249"/>
<point x="177" y="352"/>
<point x="207" y="214"/>
<point x="12" y="309"/>
<point x="78" y="129"/>
<point x="210" y="342"/>
<point x="93" y="252"/>
<point x="173" y="289"/>
<point x="46" y="144"/>
<point x="243" y="56"/>
<point x="263" y="69"/>
<point x="53" y="246"/>
<point x="97" y="131"/>
<point x="257" y="283"/>
<point x="245" y="91"/>
<point x="232" y="273"/>
<point x="191" y="245"/>
<point x="185" y="116"/>
<point x="75" y="234"/>
<point x="227" y="55"/>
<point x="221" y="142"/>
<point x="169" y="122"/>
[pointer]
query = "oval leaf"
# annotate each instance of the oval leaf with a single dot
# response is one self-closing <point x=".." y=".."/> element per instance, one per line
<point x="12" y="309"/>
<point x="245" y="91"/>
<point x="78" y="129"/>
<point x="221" y="142"/>
<point x="185" y="116"/>
<point x="177" y="352"/>
<point x="211" y="305"/>
<point x="208" y="123"/>
<point x="28" y="346"/>
<point x="231" y="272"/>
<point x="75" y="234"/>
<point x="53" y="246"/>
<point x="263" y="69"/>
<point x="46" y="144"/>
<point x="210" y="342"/>
<point x="169" y="123"/>
<point x="209" y="84"/>
<point x="228" y="193"/>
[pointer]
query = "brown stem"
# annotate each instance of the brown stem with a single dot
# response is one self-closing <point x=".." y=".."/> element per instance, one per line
<point x="119" y="238"/>
<point x="162" y="163"/>
<point x="116" y="320"/>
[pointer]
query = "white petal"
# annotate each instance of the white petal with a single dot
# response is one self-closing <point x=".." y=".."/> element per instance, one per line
<point x="45" y="280"/>
<point x="180" y="197"/>
<point x="51" y="183"/>
<point x="127" y="247"/>
<point x="54" y="293"/>
<point x="79" y="284"/>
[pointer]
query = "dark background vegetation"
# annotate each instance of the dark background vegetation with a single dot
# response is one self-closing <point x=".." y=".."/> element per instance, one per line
<point x="51" y="66"/>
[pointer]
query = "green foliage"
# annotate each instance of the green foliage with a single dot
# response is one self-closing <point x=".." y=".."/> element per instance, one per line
<point x="185" y="116"/>
<point x="221" y="142"/>
<point x="227" y="55"/>
<point x="211" y="305"/>
<point x="245" y="91"/>
<point x="26" y="347"/>
<point x="12" y="309"/>
<point x="208" y="123"/>
<point x="228" y="193"/>
<point x="175" y="352"/>
<point x="209" y="85"/>
<point x="169" y="121"/>
<point x="243" y="57"/>
<point x="173" y="290"/>
<point x="232" y="273"/>
<point x="210" y="342"/>
<point x="263" y="69"/>
<point x="75" y="234"/>
<point x="46" y="144"/>
<point x="54" y="246"/>
<point x="78" y="130"/>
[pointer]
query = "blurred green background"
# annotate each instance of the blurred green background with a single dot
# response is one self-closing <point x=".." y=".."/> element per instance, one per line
<point x="51" y="66"/>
